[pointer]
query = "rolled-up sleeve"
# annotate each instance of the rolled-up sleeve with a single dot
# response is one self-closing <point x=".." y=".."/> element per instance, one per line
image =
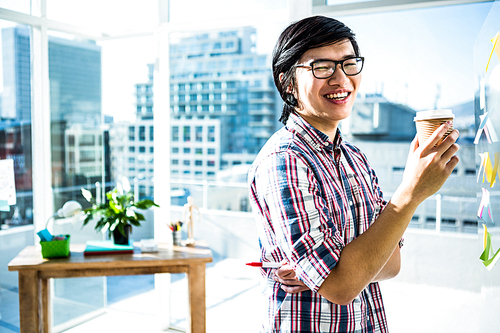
<point x="298" y="217"/>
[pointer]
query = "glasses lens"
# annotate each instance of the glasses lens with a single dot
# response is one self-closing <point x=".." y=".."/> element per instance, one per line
<point x="352" y="66"/>
<point x="323" y="69"/>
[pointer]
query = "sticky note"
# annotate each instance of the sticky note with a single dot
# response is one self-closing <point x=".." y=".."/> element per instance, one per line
<point x="486" y="126"/>
<point x="488" y="171"/>
<point x="485" y="206"/>
<point x="482" y="94"/>
<point x="488" y="258"/>
<point x="496" y="49"/>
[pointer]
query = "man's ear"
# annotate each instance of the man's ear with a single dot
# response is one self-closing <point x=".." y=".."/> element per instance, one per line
<point x="289" y="89"/>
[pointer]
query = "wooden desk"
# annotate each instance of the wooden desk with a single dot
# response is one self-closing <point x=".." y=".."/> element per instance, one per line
<point x="35" y="272"/>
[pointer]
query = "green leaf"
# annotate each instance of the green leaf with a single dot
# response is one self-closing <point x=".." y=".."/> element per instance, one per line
<point x="145" y="204"/>
<point x="87" y="219"/>
<point x="135" y="223"/>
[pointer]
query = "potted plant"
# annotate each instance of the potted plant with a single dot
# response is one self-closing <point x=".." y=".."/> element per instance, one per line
<point x="118" y="213"/>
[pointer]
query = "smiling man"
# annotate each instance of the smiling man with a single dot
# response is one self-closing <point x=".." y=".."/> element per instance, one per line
<point x="318" y="205"/>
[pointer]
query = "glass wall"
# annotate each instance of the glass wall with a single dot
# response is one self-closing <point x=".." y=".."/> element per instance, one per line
<point x="223" y="106"/>
<point x="15" y="133"/>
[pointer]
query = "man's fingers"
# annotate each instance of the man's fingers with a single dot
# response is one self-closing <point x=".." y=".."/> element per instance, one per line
<point x="293" y="289"/>
<point x="435" y="137"/>
<point x="285" y="271"/>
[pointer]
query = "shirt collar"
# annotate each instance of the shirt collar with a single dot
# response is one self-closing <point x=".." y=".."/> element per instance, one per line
<point x="314" y="137"/>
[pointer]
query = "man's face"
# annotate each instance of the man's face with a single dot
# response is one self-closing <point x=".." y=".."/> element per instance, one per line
<point x="324" y="102"/>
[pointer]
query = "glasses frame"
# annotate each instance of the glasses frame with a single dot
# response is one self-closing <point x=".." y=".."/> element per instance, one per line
<point x="340" y="62"/>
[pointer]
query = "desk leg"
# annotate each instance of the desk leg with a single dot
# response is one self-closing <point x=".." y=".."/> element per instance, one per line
<point x="46" y="321"/>
<point x="29" y="306"/>
<point x="197" y="306"/>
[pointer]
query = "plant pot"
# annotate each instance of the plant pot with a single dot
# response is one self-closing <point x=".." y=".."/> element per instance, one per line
<point x="118" y="238"/>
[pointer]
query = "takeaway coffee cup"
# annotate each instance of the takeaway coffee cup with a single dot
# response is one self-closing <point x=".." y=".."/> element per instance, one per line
<point x="428" y="121"/>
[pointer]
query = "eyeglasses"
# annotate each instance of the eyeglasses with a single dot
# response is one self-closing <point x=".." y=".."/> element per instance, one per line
<point x="323" y="69"/>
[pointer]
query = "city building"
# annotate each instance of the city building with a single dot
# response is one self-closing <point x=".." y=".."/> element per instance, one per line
<point x="218" y="75"/>
<point x="74" y="74"/>
<point x="218" y="85"/>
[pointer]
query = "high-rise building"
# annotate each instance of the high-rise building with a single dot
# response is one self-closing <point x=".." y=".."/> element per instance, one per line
<point x="224" y="107"/>
<point x="74" y="74"/>
<point x="218" y="75"/>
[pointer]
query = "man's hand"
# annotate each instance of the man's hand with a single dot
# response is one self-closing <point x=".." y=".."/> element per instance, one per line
<point x="430" y="164"/>
<point x="289" y="281"/>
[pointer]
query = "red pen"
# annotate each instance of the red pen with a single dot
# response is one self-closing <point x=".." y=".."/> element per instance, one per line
<point x="265" y="264"/>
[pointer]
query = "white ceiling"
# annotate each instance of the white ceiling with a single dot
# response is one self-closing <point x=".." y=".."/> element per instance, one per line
<point x="372" y="6"/>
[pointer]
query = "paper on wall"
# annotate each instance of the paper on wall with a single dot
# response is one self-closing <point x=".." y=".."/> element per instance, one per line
<point x="7" y="182"/>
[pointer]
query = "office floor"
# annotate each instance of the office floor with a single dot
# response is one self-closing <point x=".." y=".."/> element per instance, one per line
<point x="233" y="302"/>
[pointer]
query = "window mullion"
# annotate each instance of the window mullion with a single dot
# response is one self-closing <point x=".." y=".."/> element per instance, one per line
<point x="40" y="123"/>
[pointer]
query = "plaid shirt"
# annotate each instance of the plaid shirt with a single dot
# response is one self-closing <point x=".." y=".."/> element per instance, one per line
<point x="312" y="197"/>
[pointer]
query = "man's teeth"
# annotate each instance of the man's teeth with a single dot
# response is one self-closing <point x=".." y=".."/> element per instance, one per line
<point x="337" y="96"/>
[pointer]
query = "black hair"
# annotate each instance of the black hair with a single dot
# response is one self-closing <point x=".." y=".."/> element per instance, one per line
<point x="294" y="41"/>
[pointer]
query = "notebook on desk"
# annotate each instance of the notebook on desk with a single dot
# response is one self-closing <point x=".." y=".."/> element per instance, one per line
<point x="107" y="247"/>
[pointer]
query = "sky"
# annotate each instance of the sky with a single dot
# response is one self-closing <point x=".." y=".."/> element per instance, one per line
<point x="410" y="56"/>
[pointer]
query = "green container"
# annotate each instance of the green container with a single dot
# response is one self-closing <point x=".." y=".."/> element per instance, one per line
<point x="56" y="248"/>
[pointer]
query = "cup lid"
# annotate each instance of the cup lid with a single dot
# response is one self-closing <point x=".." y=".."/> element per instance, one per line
<point x="434" y="114"/>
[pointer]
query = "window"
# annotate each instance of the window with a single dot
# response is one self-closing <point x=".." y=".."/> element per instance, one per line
<point x="151" y="133"/>
<point x="142" y="133"/>
<point x="199" y="133"/>
<point x="142" y="149"/>
<point x="186" y="133"/>
<point x="131" y="149"/>
<point x="175" y="133"/>
<point x="248" y="62"/>
<point x="211" y="134"/>
<point x="131" y="133"/>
